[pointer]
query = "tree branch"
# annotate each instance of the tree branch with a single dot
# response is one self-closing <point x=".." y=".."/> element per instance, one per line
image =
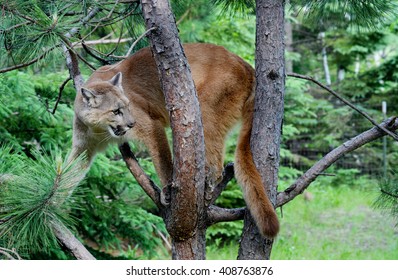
<point x="227" y="175"/>
<point x="142" y="178"/>
<point x="345" y="101"/>
<point x="217" y="214"/>
<point x="308" y="177"/>
<point x="66" y="237"/>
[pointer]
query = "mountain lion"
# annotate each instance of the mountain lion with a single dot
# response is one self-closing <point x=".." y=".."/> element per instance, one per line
<point x="125" y="101"/>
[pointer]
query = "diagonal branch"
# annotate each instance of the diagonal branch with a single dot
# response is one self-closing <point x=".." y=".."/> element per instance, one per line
<point x="142" y="178"/>
<point x="66" y="237"/>
<point x="345" y="101"/>
<point x="308" y="177"/>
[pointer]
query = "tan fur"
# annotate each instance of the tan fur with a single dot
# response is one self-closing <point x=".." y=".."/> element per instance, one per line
<point x="224" y="83"/>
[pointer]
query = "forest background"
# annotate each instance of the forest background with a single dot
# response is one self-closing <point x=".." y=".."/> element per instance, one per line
<point x="339" y="217"/>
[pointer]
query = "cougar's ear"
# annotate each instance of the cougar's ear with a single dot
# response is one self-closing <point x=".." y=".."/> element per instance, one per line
<point x="117" y="80"/>
<point x="88" y="96"/>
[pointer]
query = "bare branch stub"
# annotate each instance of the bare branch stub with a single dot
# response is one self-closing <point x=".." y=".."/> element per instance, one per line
<point x="142" y="178"/>
<point x="308" y="177"/>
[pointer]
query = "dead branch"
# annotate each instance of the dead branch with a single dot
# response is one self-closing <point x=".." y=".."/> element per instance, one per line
<point x="308" y="177"/>
<point x="66" y="237"/>
<point x="345" y="101"/>
<point x="142" y="178"/>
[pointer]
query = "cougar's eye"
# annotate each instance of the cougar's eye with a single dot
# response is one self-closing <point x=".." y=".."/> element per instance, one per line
<point x="117" y="112"/>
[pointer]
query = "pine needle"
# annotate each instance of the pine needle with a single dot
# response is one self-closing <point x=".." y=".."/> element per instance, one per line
<point x="36" y="194"/>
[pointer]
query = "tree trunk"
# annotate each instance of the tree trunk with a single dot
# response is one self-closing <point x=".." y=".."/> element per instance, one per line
<point x="268" y="114"/>
<point x="184" y="217"/>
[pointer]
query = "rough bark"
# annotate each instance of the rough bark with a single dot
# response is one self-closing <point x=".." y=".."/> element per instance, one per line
<point x="268" y="114"/>
<point x="185" y="219"/>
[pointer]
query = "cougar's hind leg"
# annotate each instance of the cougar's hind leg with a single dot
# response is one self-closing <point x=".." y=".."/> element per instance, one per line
<point x="214" y="142"/>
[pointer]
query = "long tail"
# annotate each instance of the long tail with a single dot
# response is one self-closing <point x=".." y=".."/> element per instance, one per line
<point x="250" y="180"/>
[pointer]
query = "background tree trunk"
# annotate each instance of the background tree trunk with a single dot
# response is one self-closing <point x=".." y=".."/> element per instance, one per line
<point x="184" y="217"/>
<point x="268" y="114"/>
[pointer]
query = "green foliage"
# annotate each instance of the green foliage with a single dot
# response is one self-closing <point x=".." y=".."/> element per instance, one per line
<point x="26" y="122"/>
<point x="360" y="13"/>
<point x="237" y="34"/>
<point x="223" y="234"/>
<point x="337" y="222"/>
<point x="119" y="218"/>
<point x="233" y="6"/>
<point x="343" y="221"/>
<point x="110" y="211"/>
<point x="33" y="197"/>
<point x="388" y="198"/>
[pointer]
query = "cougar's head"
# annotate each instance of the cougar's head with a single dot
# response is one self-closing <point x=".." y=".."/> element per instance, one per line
<point x="106" y="107"/>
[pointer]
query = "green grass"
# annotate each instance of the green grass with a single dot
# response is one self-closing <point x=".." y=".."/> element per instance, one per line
<point x="338" y="223"/>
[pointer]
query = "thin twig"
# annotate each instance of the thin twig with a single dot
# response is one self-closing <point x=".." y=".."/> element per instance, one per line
<point x="184" y="15"/>
<point x="22" y="65"/>
<point x="16" y="26"/>
<point x="61" y="88"/>
<point x="135" y="43"/>
<point x="118" y="43"/>
<point x="89" y="52"/>
<point x="348" y="103"/>
<point x="388" y="193"/>
<point x="163" y="237"/>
